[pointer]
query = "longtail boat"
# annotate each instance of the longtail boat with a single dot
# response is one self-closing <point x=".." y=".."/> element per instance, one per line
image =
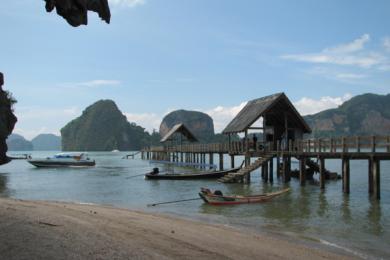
<point x="154" y="175"/>
<point x="217" y="198"/>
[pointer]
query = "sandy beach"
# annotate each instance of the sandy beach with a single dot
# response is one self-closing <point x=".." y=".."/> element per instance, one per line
<point x="54" y="230"/>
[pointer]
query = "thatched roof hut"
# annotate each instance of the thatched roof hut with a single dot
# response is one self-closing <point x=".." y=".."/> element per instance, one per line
<point x="280" y="119"/>
<point x="179" y="131"/>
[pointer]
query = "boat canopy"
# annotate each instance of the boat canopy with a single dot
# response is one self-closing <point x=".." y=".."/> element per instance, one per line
<point x="69" y="155"/>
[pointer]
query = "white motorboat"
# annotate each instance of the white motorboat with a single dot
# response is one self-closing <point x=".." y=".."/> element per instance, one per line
<point x="64" y="160"/>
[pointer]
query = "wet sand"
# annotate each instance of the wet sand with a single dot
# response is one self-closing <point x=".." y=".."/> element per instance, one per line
<point x="56" y="230"/>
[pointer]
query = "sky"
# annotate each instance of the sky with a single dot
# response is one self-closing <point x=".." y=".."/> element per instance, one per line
<point x="213" y="56"/>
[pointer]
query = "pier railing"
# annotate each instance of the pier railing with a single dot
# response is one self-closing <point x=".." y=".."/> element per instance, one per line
<point x="350" y="144"/>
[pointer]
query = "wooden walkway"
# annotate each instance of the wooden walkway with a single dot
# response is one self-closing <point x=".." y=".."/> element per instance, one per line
<point x="371" y="148"/>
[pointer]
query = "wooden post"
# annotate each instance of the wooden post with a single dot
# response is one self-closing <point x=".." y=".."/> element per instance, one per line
<point x="302" y="171"/>
<point x="247" y="178"/>
<point x="346" y="178"/>
<point x="271" y="170"/>
<point x="376" y="178"/>
<point x="388" y="144"/>
<point x="221" y="161"/>
<point x="322" y="173"/>
<point x="286" y="173"/>
<point x="278" y="166"/>
<point x="265" y="172"/>
<point x="370" y="176"/>
<point x="232" y="161"/>
<point x="343" y="144"/>
<point x="211" y="158"/>
<point x="262" y="171"/>
<point x="181" y="157"/>
<point x="331" y="145"/>
<point x="358" y="144"/>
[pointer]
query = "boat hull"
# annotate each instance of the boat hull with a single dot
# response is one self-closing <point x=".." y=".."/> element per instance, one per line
<point x="56" y="164"/>
<point x="213" y="199"/>
<point x="192" y="176"/>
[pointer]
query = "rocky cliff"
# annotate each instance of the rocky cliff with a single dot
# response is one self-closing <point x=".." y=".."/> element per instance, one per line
<point x="7" y="122"/>
<point x="200" y="124"/>
<point x="367" y="114"/>
<point x="103" y="127"/>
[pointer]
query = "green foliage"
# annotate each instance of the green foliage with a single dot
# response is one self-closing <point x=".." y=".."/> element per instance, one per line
<point x="102" y="127"/>
<point x="11" y="101"/>
<point x="365" y="114"/>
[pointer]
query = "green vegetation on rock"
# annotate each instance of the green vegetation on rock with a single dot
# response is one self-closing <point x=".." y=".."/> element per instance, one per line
<point x="103" y="127"/>
<point x="367" y="114"/>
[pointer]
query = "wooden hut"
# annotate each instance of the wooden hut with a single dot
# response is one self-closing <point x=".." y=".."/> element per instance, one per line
<point x="281" y="121"/>
<point x="178" y="135"/>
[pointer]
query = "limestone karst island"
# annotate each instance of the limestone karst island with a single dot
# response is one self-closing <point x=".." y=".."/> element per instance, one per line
<point x="144" y="129"/>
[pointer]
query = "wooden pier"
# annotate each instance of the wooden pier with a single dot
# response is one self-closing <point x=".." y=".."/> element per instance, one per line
<point x="283" y="130"/>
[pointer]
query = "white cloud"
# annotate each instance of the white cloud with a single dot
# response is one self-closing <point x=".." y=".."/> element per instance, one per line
<point x="129" y="3"/>
<point x="350" y="76"/>
<point x="37" y="120"/>
<point x="98" y="83"/>
<point x="351" y="54"/>
<point x="353" y="46"/>
<point x="149" y="121"/>
<point x="223" y="115"/>
<point x="308" y="106"/>
<point x="92" y="84"/>
<point x="386" y="43"/>
<point x="32" y="113"/>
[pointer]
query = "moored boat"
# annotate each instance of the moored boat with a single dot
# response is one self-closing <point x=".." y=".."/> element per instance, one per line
<point x="187" y="176"/>
<point x="217" y="198"/>
<point x="64" y="160"/>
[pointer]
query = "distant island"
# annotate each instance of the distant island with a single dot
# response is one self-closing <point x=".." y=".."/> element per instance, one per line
<point x="42" y="142"/>
<point x="17" y="142"/>
<point x="46" y="142"/>
<point x="367" y="114"/>
<point x="103" y="127"/>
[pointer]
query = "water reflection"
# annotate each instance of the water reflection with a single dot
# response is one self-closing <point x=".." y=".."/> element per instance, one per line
<point x="345" y="209"/>
<point x="323" y="205"/>
<point x="3" y="185"/>
<point x="374" y="215"/>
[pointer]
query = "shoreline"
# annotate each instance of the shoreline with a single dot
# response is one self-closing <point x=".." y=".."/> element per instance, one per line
<point x="61" y="230"/>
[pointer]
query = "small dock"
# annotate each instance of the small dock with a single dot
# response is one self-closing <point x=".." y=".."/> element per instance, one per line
<point x="283" y="130"/>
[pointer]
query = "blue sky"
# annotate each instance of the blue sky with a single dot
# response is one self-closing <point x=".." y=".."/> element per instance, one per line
<point x="207" y="55"/>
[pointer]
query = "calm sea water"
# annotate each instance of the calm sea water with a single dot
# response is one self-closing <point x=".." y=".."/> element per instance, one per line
<point x="354" y="223"/>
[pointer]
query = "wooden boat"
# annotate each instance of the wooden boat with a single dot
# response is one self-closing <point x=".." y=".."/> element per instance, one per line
<point x="217" y="198"/>
<point x="154" y="175"/>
